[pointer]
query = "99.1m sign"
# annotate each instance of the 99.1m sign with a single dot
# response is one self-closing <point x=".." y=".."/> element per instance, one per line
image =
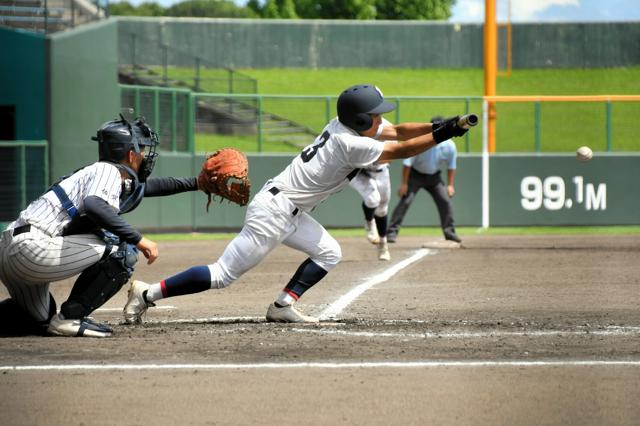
<point x="551" y="193"/>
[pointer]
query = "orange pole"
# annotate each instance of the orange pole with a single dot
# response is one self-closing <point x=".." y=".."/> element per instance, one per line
<point x="490" y="66"/>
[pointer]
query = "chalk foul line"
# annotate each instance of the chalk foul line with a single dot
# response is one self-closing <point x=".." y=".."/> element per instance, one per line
<point x="339" y="305"/>
<point x="329" y="365"/>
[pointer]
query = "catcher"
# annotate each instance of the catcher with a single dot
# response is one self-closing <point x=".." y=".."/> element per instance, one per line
<point x="75" y="228"/>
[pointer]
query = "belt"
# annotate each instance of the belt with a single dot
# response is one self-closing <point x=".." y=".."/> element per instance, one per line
<point x="21" y="229"/>
<point x="425" y="174"/>
<point x="275" y="191"/>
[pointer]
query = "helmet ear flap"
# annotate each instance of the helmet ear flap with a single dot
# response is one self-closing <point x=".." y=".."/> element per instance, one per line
<point x="362" y="122"/>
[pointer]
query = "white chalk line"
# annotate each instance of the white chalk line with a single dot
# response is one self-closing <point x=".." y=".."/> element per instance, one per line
<point x="339" y="305"/>
<point x="162" y="307"/>
<point x="327" y="365"/>
<point x="616" y="331"/>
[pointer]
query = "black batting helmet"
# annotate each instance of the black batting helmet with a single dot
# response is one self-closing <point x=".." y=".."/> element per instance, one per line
<point x="117" y="137"/>
<point x="357" y="102"/>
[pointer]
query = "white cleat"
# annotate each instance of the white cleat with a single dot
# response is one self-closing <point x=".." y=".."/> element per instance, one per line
<point x="287" y="314"/>
<point x="383" y="251"/>
<point x="136" y="303"/>
<point x="85" y="327"/>
<point x="372" y="231"/>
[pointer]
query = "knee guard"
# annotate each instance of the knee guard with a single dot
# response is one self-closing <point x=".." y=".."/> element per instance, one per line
<point x="100" y="282"/>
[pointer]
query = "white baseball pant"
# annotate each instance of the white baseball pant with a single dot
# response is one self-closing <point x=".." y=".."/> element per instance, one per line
<point x="375" y="189"/>
<point x="271" y="220"/>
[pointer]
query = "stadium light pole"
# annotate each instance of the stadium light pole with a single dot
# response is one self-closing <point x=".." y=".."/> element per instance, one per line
<point x="490" y="66"/>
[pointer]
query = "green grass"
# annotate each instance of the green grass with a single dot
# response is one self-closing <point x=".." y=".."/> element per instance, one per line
<point x="564" y="126"/>
<point x="434" y="231"/>
<point x="209" y="143"/>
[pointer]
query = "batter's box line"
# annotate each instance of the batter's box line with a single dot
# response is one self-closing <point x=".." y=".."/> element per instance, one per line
<point x="613" y="332"/>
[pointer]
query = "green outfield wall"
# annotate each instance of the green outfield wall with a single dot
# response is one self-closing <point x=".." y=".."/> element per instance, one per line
<point x="23" y="67"/>
<point x="525" y="190"/>
<point x="249" y="43"/>
<point x="84" y="92"/>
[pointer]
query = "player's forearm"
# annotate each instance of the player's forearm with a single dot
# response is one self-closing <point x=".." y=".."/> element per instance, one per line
<point x="160" y="186"/>
<point x="405" y="175"/>
<point x="405" y="131"/>
<point x="451" y="176"/>
<point x="409" y="148"/>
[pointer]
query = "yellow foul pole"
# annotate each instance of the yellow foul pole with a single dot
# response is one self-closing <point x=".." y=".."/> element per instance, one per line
<point x="490" y="66"/>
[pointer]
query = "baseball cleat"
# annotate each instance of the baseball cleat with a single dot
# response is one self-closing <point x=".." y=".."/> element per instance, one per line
<point x="136" y="303"/>
<point x="287" y="314"/>
<point x="372" y="231"/>
<point x="85" y="327"/>
<point x="383" y="251"/>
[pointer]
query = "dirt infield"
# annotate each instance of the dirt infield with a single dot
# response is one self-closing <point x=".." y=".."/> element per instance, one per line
<point x="506" y="330"/>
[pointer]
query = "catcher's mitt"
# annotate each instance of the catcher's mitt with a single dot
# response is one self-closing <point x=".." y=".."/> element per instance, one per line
<point x="225" y="173"/>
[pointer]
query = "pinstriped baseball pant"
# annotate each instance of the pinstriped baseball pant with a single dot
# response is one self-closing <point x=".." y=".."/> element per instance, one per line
<point x="29" y="262"/>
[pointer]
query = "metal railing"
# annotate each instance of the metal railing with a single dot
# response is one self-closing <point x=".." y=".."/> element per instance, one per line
<point x="266" y="123"/>
<point x="26" y="175"/>
<point x="153" y="60"/>
<point x="49" y="16"/>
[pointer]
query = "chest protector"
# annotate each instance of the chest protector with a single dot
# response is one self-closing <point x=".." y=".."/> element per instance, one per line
<point x="132" y="191"/>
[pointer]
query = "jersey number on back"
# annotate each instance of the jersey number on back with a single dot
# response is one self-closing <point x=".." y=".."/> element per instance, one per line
<point x="309" y="152"/>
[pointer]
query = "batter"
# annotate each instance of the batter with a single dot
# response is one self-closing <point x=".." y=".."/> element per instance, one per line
<point x="279" y="212"/>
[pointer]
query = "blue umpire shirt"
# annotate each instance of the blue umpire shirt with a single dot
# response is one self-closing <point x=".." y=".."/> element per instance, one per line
<point x="429" y="162"/>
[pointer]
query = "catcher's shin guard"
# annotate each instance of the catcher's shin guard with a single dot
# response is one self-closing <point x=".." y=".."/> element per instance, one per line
<point x="100" y="282"/>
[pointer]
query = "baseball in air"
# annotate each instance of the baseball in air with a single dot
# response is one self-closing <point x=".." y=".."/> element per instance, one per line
<point x="584" y="154"/>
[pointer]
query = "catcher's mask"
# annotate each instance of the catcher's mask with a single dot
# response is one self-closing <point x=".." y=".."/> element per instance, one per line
<point x="116" y="138"/>
<point x="356" y="103"/>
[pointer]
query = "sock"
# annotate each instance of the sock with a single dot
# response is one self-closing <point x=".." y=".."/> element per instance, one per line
<point x="308" y="274"/>
<point x="154" y="293"/>
<point x="193" y="280"/>
<point x="285" y="299"/>
<point x="368" y="212"/>
<point x="381" y="224"/>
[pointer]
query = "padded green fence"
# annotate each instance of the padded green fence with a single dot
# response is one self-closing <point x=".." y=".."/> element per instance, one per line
<point x="265" y="43"/>
<point x="24" y="171"/>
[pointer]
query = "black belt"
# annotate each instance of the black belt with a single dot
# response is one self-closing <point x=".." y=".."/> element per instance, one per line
<point x="21" y="229"/>
<point x="425" y="174"/>
<point x="276" y="191"/>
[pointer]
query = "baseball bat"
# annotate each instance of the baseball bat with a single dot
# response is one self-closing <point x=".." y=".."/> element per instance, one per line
<point x="467" y="120"/>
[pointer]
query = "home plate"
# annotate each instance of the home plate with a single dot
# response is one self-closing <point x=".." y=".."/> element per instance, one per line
<point x="441" y="244"/>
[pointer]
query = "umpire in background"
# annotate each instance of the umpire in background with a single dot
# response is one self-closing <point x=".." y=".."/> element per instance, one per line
<point x="423" y="171"/>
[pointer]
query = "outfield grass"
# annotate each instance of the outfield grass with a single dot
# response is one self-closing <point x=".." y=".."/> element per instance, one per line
<point x="433" y="231"/>
<point x="563" y="126"/>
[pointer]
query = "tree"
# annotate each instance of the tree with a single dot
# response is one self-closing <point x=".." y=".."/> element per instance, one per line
<point x="336" y="9"/>
<point x="413" y="9"/>
<point x="209" y="9"/>
<point x="274" y="9"/>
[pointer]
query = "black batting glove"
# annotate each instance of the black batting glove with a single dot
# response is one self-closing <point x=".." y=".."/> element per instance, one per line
<point x="448" y="129"/>
<point x="436" y="123"/>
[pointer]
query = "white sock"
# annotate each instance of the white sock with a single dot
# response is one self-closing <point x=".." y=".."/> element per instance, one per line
<point x="285" y="299"/>
<point x="154" y="293"/>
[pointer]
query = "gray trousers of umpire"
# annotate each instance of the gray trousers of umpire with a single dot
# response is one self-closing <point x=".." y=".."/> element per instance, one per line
<point x="436" y="187"/>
